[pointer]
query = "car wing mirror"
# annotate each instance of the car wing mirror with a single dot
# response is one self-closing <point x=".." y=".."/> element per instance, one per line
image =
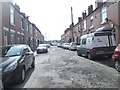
<point x="27" y="53"/>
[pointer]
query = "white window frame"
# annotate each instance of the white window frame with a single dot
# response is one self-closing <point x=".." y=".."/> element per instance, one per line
<point x="104" y="0"/>
<point x="27" y="26"/>
<point x="31" y="29"/>
<point x="12" y="36"/>
<point x="12" y="15"/>
<point x="103" y="14"/>
<point x="22" y="38"/>
<point x="22" y="22"/>
<point x="91" y="22"/>
<point x="5" y="30"/>
<point x="84" y="25"/>
<point x="18" y="37"/>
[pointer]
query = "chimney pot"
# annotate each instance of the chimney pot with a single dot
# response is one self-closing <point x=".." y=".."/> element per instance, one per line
<point x="84" y="14"/>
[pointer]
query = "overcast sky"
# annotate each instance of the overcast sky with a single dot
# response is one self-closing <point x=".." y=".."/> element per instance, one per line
<point x="52" y="17"/>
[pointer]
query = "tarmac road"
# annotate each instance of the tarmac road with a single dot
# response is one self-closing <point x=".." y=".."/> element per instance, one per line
<point x="60" y="68"/>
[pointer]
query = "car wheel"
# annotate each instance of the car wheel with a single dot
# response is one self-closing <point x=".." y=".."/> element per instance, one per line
<point x="37" y="52"/>
<point x="46" y="50"/>
<point x="89" y="56"/>
<point x="78" y="53"/>
<point x="33" y="63"/>
<point x="117" y="65"/>
<point x="22" y="75"/>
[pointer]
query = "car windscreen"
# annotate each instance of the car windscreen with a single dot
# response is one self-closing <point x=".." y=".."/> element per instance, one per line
<point x="42" y="45"/>
<point x="66" y="43"/>
<point x="102" y="34"/>
<point x="11" y="51"/>
<point x="74" y="44"/>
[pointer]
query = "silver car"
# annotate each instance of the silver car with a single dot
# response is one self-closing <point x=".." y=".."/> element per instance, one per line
<point x="42" y="48"/>
<point x="66" y="45"/>
<point x="73" y="46"/>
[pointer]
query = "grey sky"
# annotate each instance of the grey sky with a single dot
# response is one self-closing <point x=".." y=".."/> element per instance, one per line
<point x="53" y="16"/>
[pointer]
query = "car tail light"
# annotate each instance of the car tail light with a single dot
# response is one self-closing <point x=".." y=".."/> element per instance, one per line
<point x="117" y="51"/>
<point x="94" y="50"/>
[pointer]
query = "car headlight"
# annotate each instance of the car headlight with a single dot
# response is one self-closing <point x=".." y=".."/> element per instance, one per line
<point x="11" y="67"/>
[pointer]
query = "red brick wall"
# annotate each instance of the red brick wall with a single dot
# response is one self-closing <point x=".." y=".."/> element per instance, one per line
<point x="5" y="19"/>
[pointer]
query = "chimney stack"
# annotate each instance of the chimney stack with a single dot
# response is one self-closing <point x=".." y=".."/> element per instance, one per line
<point x="90" y="9"/>
<point x="23" y="14"/>
<point x="79" y="19"/>
<point x="27" y="17"/>
<point x="17" y="7"/>
<point x="98" y="3"/>
<point x="84" y="14"/>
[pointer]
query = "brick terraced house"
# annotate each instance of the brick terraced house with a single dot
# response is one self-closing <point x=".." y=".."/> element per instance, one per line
<point x="15" y="27"/>
<point x="105" y="14"/>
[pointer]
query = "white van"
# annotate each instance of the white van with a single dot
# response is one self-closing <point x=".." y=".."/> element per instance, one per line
<point x="99" y="43"/>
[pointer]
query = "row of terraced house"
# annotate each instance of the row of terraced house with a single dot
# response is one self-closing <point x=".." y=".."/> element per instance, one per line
<point x="16" y="28"/>
<point x="105" y="14"/>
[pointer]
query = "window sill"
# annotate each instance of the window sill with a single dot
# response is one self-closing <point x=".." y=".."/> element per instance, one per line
<point x="91" y="27"/>
<point x="22" y="29"/>
<point x="84" y="30"/>
<point x="103" y="22"/>
<point x="13" y="25"/>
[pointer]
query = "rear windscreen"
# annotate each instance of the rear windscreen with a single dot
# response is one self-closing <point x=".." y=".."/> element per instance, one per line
<point x="102" y="34"/>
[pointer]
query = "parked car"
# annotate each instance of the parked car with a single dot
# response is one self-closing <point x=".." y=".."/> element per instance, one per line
<point x="99" y="43"/>
<point x="116" y="58"/>
<point x="44" y="45"/>
<point x="66" y="45"/>
<point x="42" y="48"/>
<point x="48" y="45"/>
<point x="15" y="61"/>
<point x="59" y="45"/>
<point x="62" y="46"/>
<point x="54" y="43"/>
<point x="73" y="46"/>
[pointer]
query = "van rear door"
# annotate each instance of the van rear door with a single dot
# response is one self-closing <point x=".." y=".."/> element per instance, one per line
<point x="104" y="39"/>
<point x="101" y="41"/>
<point x="104" y="43"/>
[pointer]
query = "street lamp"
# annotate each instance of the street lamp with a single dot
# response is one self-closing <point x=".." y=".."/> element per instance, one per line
<point x="72" y="24"/>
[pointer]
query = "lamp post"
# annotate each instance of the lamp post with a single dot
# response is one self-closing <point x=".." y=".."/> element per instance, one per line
<point x="72" y="24"/>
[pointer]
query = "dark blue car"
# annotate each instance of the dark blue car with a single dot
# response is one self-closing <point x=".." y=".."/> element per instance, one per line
<point x="15" y="61"/>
